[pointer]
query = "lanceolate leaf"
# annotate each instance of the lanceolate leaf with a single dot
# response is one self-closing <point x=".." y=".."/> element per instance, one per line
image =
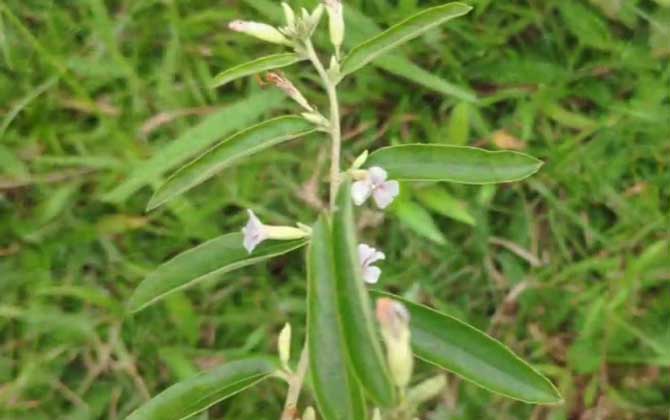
<point x="193" y="395"/>
<point x="460" y="348"/>
<point x="208" y="261"/>
<point x="254" y="67"/>
<point x="229" y="151"/>
<point x="354" y="306"/>
<point x="466" y="165"/>
<point x="193" y="141"/>
<point x="337" y="392"/>
<point x="404" y="31"/>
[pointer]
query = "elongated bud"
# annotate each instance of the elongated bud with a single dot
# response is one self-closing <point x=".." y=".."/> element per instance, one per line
<point x="427" y="390"/>
<point x="315" y="17"/>
<point x="394" y="320"/>
<point x="285" y="232"/>
<point x="309" y="414"/>
<point x="289" y="15"/>
<point x="259" y="30"/>
<point x="289" y="89"/>
<point x="376" y="415"/>
<point x="360" y="160"/>
<point x="335" y="22"/>
<point x="284" y="345"/>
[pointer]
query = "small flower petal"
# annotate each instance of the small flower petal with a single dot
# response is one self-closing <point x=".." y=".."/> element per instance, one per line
<point x="377" y="175"/>
<point x="360" y="191"/>
<point x="385" y="193"/>
<point x="371" y="274"/>
<point x="368" y="255"/>
<point x="254" y="232"/>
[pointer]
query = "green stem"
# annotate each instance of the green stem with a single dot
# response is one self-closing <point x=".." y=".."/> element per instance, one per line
<point x="334" y="129"/>
<point x="295" y="386"/>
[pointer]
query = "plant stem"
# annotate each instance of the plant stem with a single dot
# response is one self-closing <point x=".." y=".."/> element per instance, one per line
<point x="334" y="129"/>
<point x="297" y="379"/>
<point x="295" y="385"/>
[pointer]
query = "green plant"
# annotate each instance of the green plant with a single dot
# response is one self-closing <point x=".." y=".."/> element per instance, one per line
<point x="342" y="353"/>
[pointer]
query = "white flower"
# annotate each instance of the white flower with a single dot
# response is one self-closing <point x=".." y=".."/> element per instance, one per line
<point x="256" y="232"/>
<point x="374" y="183"/>
<point x="368" y="255"/>
<point x="259" y="30"/>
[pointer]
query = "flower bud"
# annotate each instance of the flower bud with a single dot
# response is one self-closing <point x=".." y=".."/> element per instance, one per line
<point x="309" y="414"/>
<point x="376" y="415"/>
<point x="289" y="89"/>
<point x="427" y="390"/>
<point x="284" y="345"/>
<point x="360" y="160"/>
<point x="289" y="15"/>
<point x="394" y="320"/>
<point x="259" y="30"/>
<point x="335" y="22"/>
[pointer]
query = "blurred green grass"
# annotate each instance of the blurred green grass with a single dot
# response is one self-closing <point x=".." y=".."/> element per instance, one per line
<point x="99" y="100"/>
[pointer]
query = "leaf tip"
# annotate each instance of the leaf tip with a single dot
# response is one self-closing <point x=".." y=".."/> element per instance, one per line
<point x="154" y="202"/>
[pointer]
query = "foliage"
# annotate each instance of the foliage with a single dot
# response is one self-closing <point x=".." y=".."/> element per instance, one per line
<point x="577" y="286"/>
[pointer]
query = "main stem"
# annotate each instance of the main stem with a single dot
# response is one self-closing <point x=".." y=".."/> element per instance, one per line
<point x="297" y="379"/>
<point x="334" y="128"/>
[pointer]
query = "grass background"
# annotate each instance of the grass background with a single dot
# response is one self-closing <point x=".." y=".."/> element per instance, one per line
<point x="101" y="99"/>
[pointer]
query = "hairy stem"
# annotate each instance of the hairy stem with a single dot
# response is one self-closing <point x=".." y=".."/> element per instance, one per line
<point x="295" y="386"/>
<point x="334" y="129"/>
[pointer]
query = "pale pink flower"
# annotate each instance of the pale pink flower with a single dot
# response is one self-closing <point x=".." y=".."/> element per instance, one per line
<point x="375" y="184"/>
<point x="367" y="256"/>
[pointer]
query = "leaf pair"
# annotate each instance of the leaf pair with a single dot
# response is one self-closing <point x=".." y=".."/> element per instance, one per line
<point x="346" y="360"/>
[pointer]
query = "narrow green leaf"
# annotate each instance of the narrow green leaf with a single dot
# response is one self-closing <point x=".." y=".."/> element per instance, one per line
<point x="353" y="302"/>
<point x="195" y="140"/>
<point x="466" y="165"/>
<point x="404" y="31"/>
<point x="230" y="151"/>
<point x="458" y="128"/>
<point x="338" y="393"/>
<point x="259" y="65"/>
<point x="418" y="219"/>
<point x="451" y="344"/>
<point x="207" y="261"/>
<point x="193" y="395"/>
<point x="440" y="201"/>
